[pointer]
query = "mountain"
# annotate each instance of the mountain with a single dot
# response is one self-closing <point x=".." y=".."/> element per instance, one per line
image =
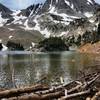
<point x="11" y="23"/>
<point x="56" y="16"/>
<point x="5" y="11"/>
<point x="53" y="18"/>
<point x="70" y="7"/>
<point x="33" y="9"/>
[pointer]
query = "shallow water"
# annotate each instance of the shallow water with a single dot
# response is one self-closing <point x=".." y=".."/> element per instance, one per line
<point x="25" y="68"/>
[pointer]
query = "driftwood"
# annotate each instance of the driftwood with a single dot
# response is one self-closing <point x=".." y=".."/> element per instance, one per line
<point x="40" y="92"/>
<point x="75" y="95"/>
<point x="17" y="92"/>
<point x="50" y="96"/>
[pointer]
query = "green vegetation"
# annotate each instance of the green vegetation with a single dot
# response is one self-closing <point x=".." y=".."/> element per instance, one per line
<point x="14" y="46"/>
<point x="61" y="44"/>
<point x="53" y="44"/>
<point x="98" y="32"/>
<point x="1" y="46"/>
<point x="87" y="37"/>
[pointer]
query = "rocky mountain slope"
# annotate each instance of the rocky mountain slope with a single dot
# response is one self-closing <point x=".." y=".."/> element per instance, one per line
<point x="54" y="17"/>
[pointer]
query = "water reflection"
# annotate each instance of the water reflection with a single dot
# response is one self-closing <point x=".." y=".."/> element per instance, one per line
<point x="24" y="69"/>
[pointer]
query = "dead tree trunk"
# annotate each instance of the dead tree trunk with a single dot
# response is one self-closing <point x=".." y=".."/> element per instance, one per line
<point x="17" y="92"/>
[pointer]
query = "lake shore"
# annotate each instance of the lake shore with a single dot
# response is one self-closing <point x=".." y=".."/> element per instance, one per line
<point x="87" y="86"/>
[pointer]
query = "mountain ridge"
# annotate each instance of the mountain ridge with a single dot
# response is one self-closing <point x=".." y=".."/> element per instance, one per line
<point x="53" y="18"/>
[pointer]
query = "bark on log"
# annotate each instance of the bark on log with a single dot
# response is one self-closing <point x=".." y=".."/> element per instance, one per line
<point x="17" y="92"/>
<point x="75" y="95"/>
<point x="90" y="82"/>
<point x="82" y="86"/>
<point x="56" y="93"/>
<point x="38" y="97"/>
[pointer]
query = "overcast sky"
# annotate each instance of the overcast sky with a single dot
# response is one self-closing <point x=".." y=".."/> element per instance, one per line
<point x="21" y="4"/>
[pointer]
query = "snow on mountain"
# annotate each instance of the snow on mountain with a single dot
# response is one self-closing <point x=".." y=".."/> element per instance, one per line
<point x="88" y="14"/>
<point x="18" y="18"/>
<point x="4" y="48"/>
<point x="2" y="20"/>
<point x="53" y="17"/>
<point x="90" y="1"/>
<point x="56" y="15"/>
<point x="26" y="26"/>
<point x="67" y="2"/>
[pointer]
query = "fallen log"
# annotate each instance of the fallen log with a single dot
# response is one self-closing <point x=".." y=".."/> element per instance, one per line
<point x="17" y="92"/>
<point x="38" y="97"/>
<point x="80" y="85"/>
<point x="47" y="93"/>
<point x="87" y="84"/>
<point x="75" y="95"/>
<point x="50" y="96"/>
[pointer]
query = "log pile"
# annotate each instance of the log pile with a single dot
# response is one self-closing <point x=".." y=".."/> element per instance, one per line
<point x="75" y="90"/>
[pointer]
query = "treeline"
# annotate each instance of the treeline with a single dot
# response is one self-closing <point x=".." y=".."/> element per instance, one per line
<point x="14" y="46"/>
<point x="1" y="46"/>
<point x="61" y="44"/>
<point x="87" y="37"/>
<point x="53" y="44"/>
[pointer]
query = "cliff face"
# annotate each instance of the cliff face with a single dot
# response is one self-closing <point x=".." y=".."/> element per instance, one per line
<point x="69" y="6"/>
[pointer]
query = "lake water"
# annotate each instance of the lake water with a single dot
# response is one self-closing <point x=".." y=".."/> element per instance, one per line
<point x="25" y="68"/>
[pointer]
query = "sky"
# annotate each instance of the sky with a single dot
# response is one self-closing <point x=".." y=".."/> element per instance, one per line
<point x="21" y="4"/>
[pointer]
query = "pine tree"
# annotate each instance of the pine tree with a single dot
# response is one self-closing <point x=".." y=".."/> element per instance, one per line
<point x="78" y="42"/>
<point x="98" y="32"/>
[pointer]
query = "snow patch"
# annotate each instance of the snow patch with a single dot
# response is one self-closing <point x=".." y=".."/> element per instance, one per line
<point x="37" y="27"/>
<point x="67" y="2"/>
<point x="33" y="44"/>
<point x="4" y="47"/>
<point x="10" y="36"/>
<point x="18" y="19"/>
<point x="11" y="29"/>
<point x="62" y="22"/>
<point x="2" y="21"/>
<point x="35" y="10"/>
<point x="87" y="14"/>
<point x="51" y="5"/>
<point x="91" y="21"/>
<point x="52" y="9"/>
<point x="26" y="26"/>
<point x="89" y="1"/>
<point x="63" y="33"/>
<point x="72" y="6"/>
<point x="16" y="12"/>
<point x="56" y="1"/>
<point x="44" y="32"/>
<point x="63" y="15"/>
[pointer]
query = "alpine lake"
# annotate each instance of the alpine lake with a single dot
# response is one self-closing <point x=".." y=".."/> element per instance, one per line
<point x="19" y="69"/>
